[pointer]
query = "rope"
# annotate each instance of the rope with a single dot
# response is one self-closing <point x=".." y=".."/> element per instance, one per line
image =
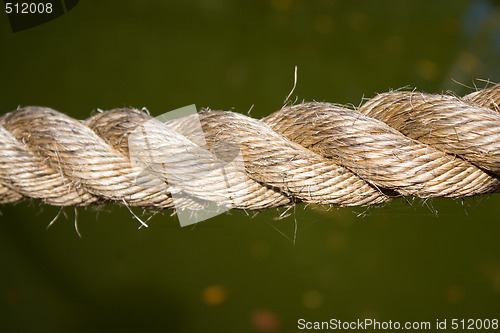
<point x="398" y="143"/>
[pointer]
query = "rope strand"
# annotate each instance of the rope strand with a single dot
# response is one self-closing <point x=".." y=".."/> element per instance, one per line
<point x="396" y="144"/>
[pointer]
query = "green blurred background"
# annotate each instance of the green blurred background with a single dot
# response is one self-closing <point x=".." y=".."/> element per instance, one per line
<point x="236" y="272"/>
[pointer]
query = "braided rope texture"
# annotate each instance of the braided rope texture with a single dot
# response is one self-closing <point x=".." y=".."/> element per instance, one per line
<point x="400" y="143"/>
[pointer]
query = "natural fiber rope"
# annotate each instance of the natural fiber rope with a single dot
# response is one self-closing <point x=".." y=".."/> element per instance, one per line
<point x="396" y="144"/>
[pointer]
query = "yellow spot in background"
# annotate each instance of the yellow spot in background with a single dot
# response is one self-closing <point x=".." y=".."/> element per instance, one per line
<point x="450" y="25"/>
<point x="337" y="242"/>
<point x="265" y="320"/>
<point x="496" y="283"/>
<point x="491" y="270"/>
<point x="236" y="75"/>
<point x="427" y="69"/>
<point x="455" y="294"/>
<point x="282" y="5"/>
<point x="308" y="46"/>
<point x="470" y="64"/>
<point x="12" y="297"/>
<point x="312" y="299"/>
<point x="394" y="45"/>
<point x="259" y="250"/>
<point x="214" y="295"/>
<point x="368" y="313"/>
<point x="324" y="24"/>
<point x="358" y="21"/>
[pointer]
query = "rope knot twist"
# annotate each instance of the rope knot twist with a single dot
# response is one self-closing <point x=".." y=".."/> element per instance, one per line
<point x="399" y="143"/>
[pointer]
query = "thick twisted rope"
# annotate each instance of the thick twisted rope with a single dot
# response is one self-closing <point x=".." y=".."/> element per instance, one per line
<point x="396" y="144"/>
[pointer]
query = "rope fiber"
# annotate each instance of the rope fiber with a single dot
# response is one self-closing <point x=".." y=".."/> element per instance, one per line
<point x="399" y="143"/>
